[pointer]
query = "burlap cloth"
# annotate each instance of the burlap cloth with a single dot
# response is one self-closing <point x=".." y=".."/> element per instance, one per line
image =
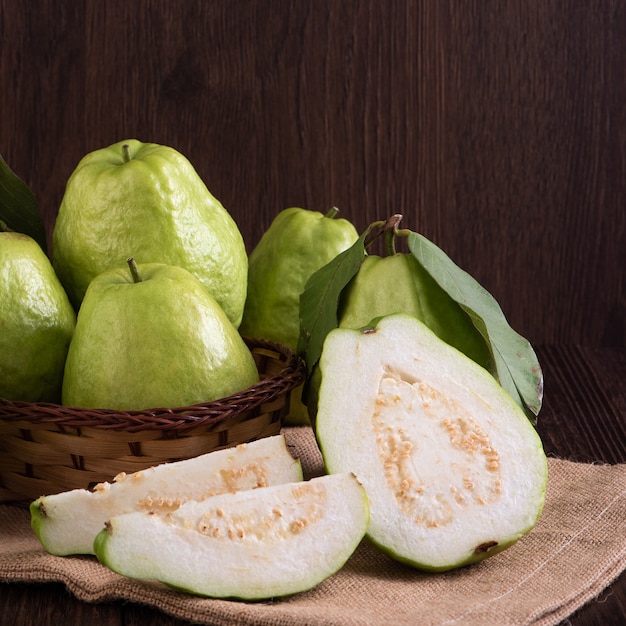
<point x="575" y="551"/>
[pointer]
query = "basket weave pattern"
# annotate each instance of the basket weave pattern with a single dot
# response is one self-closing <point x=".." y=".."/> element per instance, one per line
<point x="47" y="448"/>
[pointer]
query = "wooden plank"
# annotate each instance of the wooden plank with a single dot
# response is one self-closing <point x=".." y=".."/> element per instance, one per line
<point x="495" y="128"/>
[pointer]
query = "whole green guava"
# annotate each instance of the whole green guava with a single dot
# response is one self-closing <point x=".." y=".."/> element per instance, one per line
<point x="148" y="199"/>
<point x="399" y="284"/>
<point x="356" y="289"/>
<point x="36" y="322"/>
<point x="153" y="337"/>
<point x="297" y="243"/>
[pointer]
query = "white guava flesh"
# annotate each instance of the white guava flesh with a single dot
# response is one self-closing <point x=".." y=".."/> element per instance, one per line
<point x="67" y="523"/>
<point x="252" y="545"/>
<point x="454" y="470"/>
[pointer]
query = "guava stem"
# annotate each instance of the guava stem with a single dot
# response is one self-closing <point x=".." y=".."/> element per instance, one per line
<point x="4" y="227"/>
<point x="390" y="242"/>
<point x="126" y="153"/>
<point x="390" y="230"/>
<point x="133" y="270"/>
<point x="393" y="222"/>
<point x="374" y="231"/>
<point x="332" y="212"/>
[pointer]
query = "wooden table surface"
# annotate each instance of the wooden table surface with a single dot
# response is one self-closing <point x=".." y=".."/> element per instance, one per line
<point x="583" y="419"/>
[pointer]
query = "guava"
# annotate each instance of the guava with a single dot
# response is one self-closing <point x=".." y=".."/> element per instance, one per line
<point x="453" y="469"/>
<point x="36" y="322"/>
<point x="254" y="545"/>
<point x="68" y="522"/>
<point x="297" y="243"/>
<point x="147" y="200"/>
<point x="150" y="335"/>
<point x="355" y="288"/>
<point x="397" y="283"/>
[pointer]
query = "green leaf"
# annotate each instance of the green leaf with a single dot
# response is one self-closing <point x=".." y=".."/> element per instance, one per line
<point x="517" y="367"/>
<point x="319" y="302"/>
<point x="18" y="207"/>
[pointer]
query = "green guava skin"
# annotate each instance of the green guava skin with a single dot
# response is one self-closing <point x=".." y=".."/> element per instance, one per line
<point x="36" y="322"/>
<point x="297" y="244"/>
<point x="154" y="206"/>
<point x="161" y="342"/>
<point x="398" y="284"/>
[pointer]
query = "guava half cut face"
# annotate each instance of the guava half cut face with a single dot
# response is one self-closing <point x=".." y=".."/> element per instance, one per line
<point x="453" y="469"/>
<point x="255" y="544"/>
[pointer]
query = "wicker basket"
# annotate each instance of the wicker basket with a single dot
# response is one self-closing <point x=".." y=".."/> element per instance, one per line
<point x="48" y="448"/>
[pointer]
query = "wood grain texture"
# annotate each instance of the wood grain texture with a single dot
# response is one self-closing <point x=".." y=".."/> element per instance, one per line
<point x="585" y="404"/>
<point x="496" y="127"/>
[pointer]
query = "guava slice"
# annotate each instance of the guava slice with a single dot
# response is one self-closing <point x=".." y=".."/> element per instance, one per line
<point x="453" y="469"/>
<point x="67" y="523"/>
<point x="251" y="545"/>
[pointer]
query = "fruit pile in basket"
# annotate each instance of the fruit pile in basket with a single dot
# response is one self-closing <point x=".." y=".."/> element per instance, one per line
<point x="421" y="397"/>
<point x="156" y="270"/>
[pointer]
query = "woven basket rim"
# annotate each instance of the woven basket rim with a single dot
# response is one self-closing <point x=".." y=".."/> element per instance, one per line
<point x="267" y="389"/>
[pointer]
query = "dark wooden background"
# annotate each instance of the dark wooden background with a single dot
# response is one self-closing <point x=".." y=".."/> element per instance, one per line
<point x="496" y="127"/>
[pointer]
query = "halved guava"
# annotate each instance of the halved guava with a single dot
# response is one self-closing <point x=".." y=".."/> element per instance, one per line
<point x="453" y="469"/>
<point x="252" y="545"/>
<point x="67" y="523"/>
